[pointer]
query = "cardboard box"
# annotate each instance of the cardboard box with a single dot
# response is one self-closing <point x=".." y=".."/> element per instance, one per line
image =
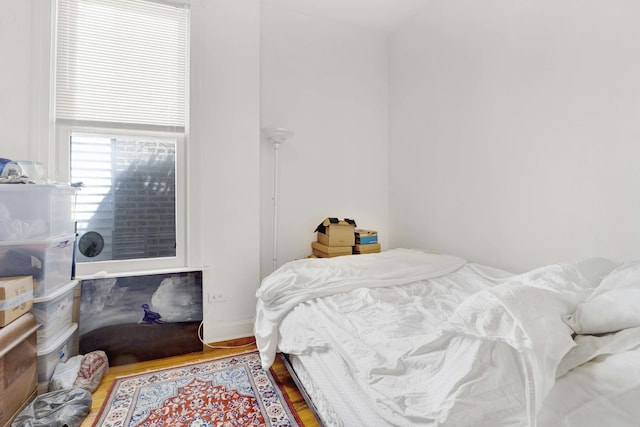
<point x="366" y="249"/>
<point x="16" y="297"/>
<point x="18" y="366"/>
<point x="337" y="232"/>
<point x="366" y="237"/>
<point x="324" y="251"/>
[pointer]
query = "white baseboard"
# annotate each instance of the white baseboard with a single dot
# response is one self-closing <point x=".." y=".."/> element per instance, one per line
<point x="227" y="331"/>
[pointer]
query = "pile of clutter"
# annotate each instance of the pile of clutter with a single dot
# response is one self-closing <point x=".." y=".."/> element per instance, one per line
<point x="68" y="400"/>
<point x="337" y="237"/>
<point x="21" y="172"/>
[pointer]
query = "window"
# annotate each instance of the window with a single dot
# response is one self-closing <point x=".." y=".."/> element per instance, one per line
<point x="120" y="110"/>
<point x="128" y="197"/>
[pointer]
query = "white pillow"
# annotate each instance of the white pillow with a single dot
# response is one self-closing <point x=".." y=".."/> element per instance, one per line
<point x="614" y="304"/>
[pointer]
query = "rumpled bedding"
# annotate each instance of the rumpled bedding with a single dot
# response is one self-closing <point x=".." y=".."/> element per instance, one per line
<point x="425" y="351"/>
<point x="603" y="391"/>
<point x="305" y="279"/>
<point x="526" y="313"/>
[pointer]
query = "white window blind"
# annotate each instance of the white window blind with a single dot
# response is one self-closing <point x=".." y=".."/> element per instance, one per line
<point x="122" y="63"/>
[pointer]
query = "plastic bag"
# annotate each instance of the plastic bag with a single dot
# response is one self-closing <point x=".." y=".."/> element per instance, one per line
<point x="93" y="368"/>
<point x="65" y="374"/>
<point x="62" y="408"/>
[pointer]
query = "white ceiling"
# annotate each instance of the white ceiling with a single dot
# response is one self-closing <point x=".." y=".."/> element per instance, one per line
<point x="382" y="15"/>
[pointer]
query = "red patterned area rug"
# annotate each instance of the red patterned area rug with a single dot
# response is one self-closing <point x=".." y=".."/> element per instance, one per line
<point x="229" y="391"/>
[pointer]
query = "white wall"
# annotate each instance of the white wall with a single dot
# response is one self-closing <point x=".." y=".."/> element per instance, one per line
<point x="15" y="79"/>
<point x="327" y="82"/>
<point x="514" y="130"/>
<point x="225" y="152"/>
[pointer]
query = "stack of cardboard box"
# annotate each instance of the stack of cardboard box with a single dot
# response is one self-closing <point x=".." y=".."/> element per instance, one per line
<point x="366" y="242"/>
<point x="336" y="237"/>
<point x="18" y="353"/>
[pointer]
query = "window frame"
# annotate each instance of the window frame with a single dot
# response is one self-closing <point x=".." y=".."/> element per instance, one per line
<point x="116" y="267"/>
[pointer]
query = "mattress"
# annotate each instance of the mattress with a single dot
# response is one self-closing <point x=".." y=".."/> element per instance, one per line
<point x="405" y="338"/>
<point x="604" y="392"/>
<point x="336" y="397"/>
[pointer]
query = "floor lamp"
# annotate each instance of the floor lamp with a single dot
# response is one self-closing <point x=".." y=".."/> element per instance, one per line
<point x="276" y="136"/>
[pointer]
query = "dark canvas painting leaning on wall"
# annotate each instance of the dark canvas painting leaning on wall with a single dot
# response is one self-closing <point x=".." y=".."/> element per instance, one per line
<point x="140" y="318"/>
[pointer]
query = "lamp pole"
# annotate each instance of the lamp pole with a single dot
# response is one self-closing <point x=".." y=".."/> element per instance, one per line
<point x="276" y="136"/>
<point x="276" y="148"/>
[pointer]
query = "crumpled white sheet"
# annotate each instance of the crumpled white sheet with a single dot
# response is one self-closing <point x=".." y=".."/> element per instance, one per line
<point x="527" y="314"/>
<point x="491" y="364"/>
<point x="613" y="305"/>
<point x="604" y="391"/>
<point x="589" y="347"/>
<point x="305" y="279"/>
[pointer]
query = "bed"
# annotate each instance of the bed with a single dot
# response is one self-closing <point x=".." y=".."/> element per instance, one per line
<point x="410" y="338"/>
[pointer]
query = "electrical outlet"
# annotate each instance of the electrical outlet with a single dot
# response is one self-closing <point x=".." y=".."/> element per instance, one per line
<point x="215" y="297"/>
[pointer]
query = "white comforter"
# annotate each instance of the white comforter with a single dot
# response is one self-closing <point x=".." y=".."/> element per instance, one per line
<point x="305" y="279"/>
<point x="423" y="353"/>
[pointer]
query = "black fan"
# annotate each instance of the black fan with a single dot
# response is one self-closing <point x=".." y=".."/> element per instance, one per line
<point x="91" y="244"/>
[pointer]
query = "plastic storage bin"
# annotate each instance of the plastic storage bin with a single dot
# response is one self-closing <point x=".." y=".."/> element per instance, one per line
<point x="36" y="211"/>
<point x="57" y="352"/>
<point x="49" y="261"/>
<point x="54" y="313"/>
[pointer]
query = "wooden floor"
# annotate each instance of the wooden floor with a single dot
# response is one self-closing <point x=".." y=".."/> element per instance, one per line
<point x="282" y="376"/>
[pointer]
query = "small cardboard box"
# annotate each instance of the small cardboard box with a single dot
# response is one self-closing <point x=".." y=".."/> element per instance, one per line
<point x="366" y="237"/>
<point x="324" y="251"/>
<point x="16" y="297"/>
<point x="366" y="249"/>
<point x="18" y="366"/>
<point x="337" y="232"/>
